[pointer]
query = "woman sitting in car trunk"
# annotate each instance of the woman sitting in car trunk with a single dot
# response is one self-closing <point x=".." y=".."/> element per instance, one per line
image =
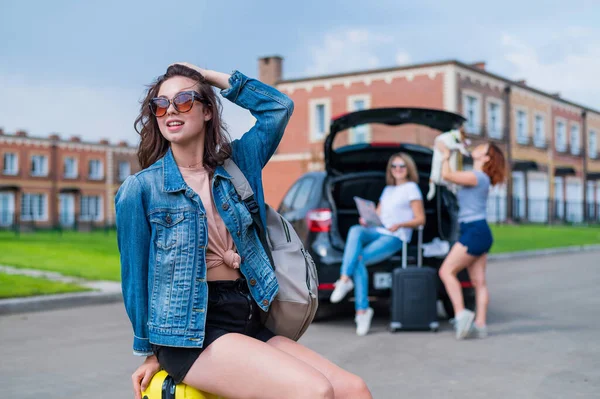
<point x="400" y="209"/>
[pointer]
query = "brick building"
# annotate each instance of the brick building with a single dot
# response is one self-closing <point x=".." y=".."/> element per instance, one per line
<point x="551" y="143"/>
<point x="49" y="182"/>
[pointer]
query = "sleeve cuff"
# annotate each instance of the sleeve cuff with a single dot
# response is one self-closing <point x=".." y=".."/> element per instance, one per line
<point x="236" y="82"/>
<point x="142" y="347"/>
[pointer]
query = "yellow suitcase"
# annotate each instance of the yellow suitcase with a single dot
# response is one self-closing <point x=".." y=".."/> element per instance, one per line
<point x="162" y="386"/>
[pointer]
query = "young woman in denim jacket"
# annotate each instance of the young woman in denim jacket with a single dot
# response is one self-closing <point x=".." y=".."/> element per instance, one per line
<point x="475" y="239"/>
<point x="195" y="277"/>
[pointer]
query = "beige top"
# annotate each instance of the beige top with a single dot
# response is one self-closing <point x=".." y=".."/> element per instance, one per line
<point x="221" y="249"/>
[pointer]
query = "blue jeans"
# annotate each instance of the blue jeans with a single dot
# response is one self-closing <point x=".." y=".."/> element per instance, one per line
<point x="365" y="246"/>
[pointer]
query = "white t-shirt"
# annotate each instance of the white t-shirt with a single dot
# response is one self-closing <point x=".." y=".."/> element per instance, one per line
<point x="395" y="208"/>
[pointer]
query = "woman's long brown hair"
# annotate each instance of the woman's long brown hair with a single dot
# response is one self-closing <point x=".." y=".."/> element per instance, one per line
<point x="153" y="145"/>
<point x="412" y="174"/>
<point x="495" y="168"/>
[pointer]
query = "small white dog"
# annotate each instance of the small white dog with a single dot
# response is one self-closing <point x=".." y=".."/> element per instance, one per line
<point x="455" y="141"/>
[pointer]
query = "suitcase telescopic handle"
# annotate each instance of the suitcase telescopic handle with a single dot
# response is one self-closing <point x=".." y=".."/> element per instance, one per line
<point x="419" y="249"/>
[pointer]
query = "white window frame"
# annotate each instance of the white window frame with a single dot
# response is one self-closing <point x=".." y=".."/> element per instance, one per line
<point x="475" y="127"/>
<point x="31" y="216"/>
<point x="84" y="208"/>
<point x="366" y="98"/>
<point x="316" y="136"/>
<point x="8" y="217"/>
<point x="75" y="173"/>
<point x="522" y="137"/>
<point x="500" y="132"/>
<point x="592" y="146"/>
<point x="14" y="170"/>
<point x="123" y="176"/>
<point x="101" y="170"/>
<point x="557" y="145"/>
<point x="575" y="150"/>
<point x="536" y="138"/>
<point x="44" y="165"/>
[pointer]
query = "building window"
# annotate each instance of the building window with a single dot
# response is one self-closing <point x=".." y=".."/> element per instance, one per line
<point x="522" y="131"/>
<point x="124" y="170"/>
<point x="472" y="110"/>
<point x="70" y="168"/>
<point x="561" y="136"/>
<point x="39" y="165"/>
<point x="11" y="164"/>
<point x="575" y="140"/>
<point x="592" y="144"/>
<point x="7" y="209"/>
<point x="361" y="133"/>
<point x="91" y="208"/>
<point x="539" y="135"/>
<point x="34" y="207"/>
<point x="320" y="117"/>
<point x="494" y="120"/>
<point x="96" y="172"/>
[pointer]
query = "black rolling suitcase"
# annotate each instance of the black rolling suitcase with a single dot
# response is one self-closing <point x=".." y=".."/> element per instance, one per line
<point x="414" y="294"/>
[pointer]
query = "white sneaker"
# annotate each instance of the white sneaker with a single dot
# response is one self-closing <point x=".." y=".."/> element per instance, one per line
<point x="342" y="288"/>
<point x="463" y="323"/>
<point x="363" y="322"/>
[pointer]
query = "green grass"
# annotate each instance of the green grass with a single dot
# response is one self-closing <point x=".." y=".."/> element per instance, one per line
<point x="95" y="255"/>
<point x="12" y="286"/>
<point x="529" y="237"/>
<point x="91" y="256"/>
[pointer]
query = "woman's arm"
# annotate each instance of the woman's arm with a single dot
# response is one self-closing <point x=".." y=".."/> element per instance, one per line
<point x="418" y="220"/>
<point x="133" y="238"/>
<point x="457" y="177"/>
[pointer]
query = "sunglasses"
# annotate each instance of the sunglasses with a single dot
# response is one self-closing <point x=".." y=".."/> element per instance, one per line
<point x="182" y="102"/>
<point x="398" y="165"/>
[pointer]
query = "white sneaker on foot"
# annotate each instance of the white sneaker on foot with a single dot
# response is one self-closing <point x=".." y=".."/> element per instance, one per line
<point x="342" y="288"/>
<point x="463" y="323"/>
<point x="363" y="322"/>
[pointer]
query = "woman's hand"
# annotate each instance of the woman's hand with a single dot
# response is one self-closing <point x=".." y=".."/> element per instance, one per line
<point x="191" y="66"/>
<point x="362" y="222"/>
<point x="142" y="376"/>
<point x="395" y="227"/>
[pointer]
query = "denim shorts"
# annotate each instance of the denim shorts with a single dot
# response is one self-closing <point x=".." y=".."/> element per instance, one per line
<point x="231" y="309"/>
<point x="476" y="236"/>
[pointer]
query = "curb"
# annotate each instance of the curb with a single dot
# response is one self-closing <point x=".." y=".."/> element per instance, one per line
<point x="110" y="292"/>
<point x="543" y="252"/>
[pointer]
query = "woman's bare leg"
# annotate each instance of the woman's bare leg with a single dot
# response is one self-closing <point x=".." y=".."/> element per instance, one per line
<point x="457" y="259"/>
<point x="239" y="367"/>
<point x="345" y="384"/>
<point x="482" y="297"/>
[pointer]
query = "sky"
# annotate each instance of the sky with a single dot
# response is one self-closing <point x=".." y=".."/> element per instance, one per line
<point x="81" y="68"/>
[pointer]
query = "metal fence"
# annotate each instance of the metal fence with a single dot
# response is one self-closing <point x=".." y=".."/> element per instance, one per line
<point x="20" y="223"/>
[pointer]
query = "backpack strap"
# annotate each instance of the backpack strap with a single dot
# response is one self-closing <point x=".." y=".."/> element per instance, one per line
<point x="247" y="196"/>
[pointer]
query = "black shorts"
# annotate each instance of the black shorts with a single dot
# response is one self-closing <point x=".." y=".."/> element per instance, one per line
<point x="231" y="309"/>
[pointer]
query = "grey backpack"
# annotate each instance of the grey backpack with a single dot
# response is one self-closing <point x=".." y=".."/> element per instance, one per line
<point x="294" y="307"/>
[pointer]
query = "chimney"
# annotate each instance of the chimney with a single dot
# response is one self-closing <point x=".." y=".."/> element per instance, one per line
<point x="21" y="133"/>
<point x="522" y="82"/>
<point x="1" y="132"/>
<point x="104" y="142"/>
<point x="122" y="144"/>
<point x="479" y="65"/>
<point x="75" y="139"/>
<point x="54" y="136"/>
<point x="270" y="69"/>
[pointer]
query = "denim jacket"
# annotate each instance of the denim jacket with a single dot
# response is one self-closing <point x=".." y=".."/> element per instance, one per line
<point x="162" y="229"/>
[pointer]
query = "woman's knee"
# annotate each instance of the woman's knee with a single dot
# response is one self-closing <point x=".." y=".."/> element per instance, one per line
<point x="355" y="387"/>
<point x="478" y="282"/>
<point x="355" y="232"/>
<point x="319" y="388"/>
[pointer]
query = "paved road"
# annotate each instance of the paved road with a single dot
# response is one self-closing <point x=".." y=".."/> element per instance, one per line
<point x="544" y="343"/>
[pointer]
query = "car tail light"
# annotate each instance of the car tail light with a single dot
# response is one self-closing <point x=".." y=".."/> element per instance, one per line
<point x="319" y="220"/>
<point x="326" y="286"/>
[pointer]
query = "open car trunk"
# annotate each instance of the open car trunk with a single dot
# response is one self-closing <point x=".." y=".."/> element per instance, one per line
<point x="440" y="213"/>
<point x="359" y="170"/>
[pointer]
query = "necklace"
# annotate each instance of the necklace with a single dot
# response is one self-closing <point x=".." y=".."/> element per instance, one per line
<point x="194" y="164"/>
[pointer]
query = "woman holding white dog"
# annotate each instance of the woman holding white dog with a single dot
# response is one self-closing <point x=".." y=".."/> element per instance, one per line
<point x="476" y="239"/>
<point x="400" y="209"/>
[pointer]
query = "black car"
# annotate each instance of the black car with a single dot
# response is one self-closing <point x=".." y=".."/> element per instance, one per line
<point x="321" y="207"/>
